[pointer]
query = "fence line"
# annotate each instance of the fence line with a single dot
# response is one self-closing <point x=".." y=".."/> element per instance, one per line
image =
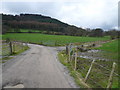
<point x="111" y="76"/>
<point x="86" y="78"/>
<point x="72" y="54"/>
<point x="10" y="47"/>
<point x="106" y="68"/>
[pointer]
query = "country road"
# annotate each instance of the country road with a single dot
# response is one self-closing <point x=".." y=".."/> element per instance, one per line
<point x="37" y="67"/>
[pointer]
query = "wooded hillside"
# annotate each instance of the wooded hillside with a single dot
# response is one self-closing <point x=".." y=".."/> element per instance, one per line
<point x="49" y="25"/>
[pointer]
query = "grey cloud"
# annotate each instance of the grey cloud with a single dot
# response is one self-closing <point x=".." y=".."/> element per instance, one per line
<point x="86" y="13"/>
<point x="29" y="7"/>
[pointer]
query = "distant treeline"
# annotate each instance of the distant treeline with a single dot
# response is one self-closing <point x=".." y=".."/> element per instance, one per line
<point x="50" y="25"/>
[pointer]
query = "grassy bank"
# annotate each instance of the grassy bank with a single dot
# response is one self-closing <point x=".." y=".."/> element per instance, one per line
<point x="51" y="40"/>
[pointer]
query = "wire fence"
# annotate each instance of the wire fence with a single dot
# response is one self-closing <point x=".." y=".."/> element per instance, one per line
<point x="96" y="73"/>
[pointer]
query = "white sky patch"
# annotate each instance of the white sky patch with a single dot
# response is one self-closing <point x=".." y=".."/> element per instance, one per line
<point x="93" y="14"/>
<point x="82" y="13"/>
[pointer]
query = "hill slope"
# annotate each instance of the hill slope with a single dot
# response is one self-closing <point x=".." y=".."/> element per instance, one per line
<point x="32" y="17"/>
<point x="39" y="22"/>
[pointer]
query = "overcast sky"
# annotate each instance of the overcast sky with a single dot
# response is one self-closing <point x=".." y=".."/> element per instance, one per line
<point x="82" y="13"/>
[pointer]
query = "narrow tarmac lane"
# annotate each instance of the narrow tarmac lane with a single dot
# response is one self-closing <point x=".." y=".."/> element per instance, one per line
<point x="36" y="68"/>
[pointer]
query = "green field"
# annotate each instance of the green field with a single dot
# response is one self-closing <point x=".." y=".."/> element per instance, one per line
<point x="111" y="46"/>
<point x="50" y="40"/>
<point x="111" y="49"/>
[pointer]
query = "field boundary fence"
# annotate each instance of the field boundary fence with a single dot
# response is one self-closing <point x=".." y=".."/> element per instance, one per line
<point x="93" y="72"/>
<point x="11" y="47"/>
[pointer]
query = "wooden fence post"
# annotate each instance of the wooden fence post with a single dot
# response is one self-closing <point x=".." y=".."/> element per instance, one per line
<point x="73" y="51"/>
<point x="76" y="54"/>
<point x="69" y="52"/>
<point x="10" y="44"/>
<point x="88" y="73"/>
<point x="66" y="49"/>
<point x="111" y="76"/>
<point x="13" y="46"/>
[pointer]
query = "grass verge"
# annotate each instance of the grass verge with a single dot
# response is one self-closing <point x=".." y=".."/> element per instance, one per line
<point x="79" y="81"/>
